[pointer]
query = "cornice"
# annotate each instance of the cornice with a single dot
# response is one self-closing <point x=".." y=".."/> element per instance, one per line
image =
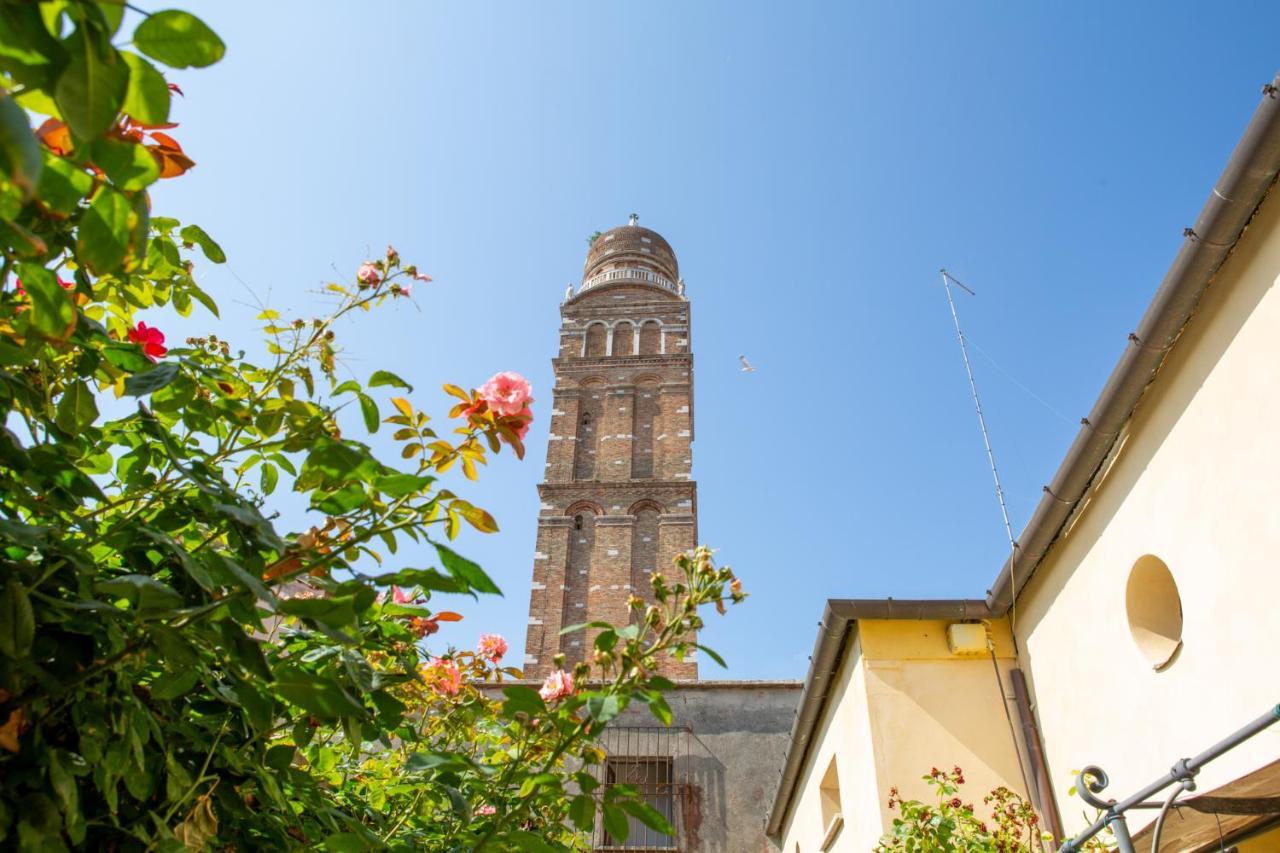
<point x="594" y="486"/>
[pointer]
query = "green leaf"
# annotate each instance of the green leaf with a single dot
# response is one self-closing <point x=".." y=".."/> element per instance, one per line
<point x="270" y="476"/>
<point x="280" y="756"/>
<point x="195" y="235"/>
<point x="140" y="384"/>
<point x="603" y="708"/>
<point x="521" y="699"/>
<point x="336" y="612"/>
<point x="346" y="842"/>
<point x="615" y="823"/>
<point x="318" y="696"/>
<point x="129" y="165"/>
<point x="68" y="794"/>
<point x="63" y="184"/>
<point x="90" y="90"/>
<point x="660" y="709"/>
<point x="126" y="356"/>
<point x="711" y="654"/>
<point x="420" y="762"/>
<point x="647" y="815"/>
<point x="525" y="840"/>
<point x="386" y="377"/>
<point x="179" y="40"/>
<point x="52" y="312"/>
<point x="428" y="579"/>
<point x="370" y="411"/>
<point x="466" y="571"/>
<point x="399" y="485"/>
<point x="20" y="155"/>
<point x="103" y="238"/>
<point x="146" y="593"/>
<point x="77" y="408"/>
<point x="147" y="98"/>
<point x="172" y="685"/>
<point x="342" y="501"/>
<point x="582" y="811"/>
<point x="17" y="620"/>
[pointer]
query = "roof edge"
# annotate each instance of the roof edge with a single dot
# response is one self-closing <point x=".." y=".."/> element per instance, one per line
<point x="1249" y="175"/>
<point x="838" y="619"/>
<point x="1245" y="182"/>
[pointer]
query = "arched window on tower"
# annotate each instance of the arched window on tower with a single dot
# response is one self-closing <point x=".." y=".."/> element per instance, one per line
<point x="588" y="443"/>
<point x="577" y="580"/>
<point x="650" y="338"/>
<point x="597" y="340"/>
<point x="644" y="427"/>
<point x="623" y="339"/>
<point x="644" y="548"/>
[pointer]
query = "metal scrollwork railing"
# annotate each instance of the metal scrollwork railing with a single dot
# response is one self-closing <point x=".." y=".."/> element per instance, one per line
<point x="1093" y="781"/>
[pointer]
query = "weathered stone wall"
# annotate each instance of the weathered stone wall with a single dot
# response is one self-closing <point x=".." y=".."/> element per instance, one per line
<point x="737" y="739"/>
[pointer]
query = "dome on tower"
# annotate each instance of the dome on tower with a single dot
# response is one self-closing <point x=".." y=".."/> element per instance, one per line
<point x="631" y="247"/>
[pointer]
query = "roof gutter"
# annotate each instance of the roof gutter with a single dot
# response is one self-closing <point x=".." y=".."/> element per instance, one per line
<point x="828" y="653"/>
<point x="1248" y="176"/>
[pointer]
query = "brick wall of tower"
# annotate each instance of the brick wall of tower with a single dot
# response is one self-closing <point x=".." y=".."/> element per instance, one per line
<point x="617" y="502"/>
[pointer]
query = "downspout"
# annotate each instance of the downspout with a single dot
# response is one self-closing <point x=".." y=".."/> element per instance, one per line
<point x="1048" y="803"/>
<point x="1244" y="182"/>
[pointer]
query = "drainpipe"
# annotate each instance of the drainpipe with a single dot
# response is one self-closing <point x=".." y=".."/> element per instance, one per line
<point x="1035" y="752"/>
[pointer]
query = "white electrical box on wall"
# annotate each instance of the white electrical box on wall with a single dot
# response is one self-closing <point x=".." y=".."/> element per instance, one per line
<point x="967" y="638"/>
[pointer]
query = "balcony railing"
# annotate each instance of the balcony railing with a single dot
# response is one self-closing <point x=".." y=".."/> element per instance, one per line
<point x="629" y="274"/>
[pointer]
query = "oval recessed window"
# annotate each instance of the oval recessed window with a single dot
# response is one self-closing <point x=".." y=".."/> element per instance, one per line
<point x="1155" y="611"/>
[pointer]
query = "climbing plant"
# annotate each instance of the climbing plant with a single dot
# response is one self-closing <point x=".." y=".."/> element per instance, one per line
<point x="176" y="670"/>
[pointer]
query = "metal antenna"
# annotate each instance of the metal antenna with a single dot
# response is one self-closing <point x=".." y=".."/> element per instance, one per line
<point x="947" y="281"/>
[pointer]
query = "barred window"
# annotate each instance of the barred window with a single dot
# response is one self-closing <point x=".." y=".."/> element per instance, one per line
<point x="652" y="778"/>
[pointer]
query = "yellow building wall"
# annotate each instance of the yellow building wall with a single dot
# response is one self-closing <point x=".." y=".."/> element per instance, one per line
<point x="903" y="704"/>
<point x="1197" y="484"/>
<point x="845" y="733"/>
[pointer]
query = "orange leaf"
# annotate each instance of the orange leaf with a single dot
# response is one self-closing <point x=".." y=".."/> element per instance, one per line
<point x="12" y="729"/>
<point x="167" y="141"/>
<point x="446" y="616"/>
<point x="172" y="163"/>
<point x="403" y="405"/>
<point x="55" y="136"/>
<point x="287" y="564"/>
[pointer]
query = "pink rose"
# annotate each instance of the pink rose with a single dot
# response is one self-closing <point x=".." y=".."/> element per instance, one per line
<point x="492" y="646"/>
<point x="486" y="810"/>
<point x="558" y="685"/>
<point x="507" y="393"/>
<point x="445" y="677"/>
<point x="368" y="274"/>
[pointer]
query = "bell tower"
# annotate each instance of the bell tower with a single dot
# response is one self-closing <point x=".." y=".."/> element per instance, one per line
<point x="617" y="500"/>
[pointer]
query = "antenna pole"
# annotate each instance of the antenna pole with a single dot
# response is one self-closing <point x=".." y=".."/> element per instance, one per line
<point x="947" y="281"/>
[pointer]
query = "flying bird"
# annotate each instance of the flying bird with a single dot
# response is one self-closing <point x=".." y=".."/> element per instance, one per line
<point x="746" y="365"/>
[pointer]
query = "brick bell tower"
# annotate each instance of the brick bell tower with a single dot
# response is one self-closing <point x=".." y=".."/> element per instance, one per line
<point x="617" y="500"/>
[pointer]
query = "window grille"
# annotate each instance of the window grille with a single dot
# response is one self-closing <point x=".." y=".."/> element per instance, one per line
<point x="655" y="761"/>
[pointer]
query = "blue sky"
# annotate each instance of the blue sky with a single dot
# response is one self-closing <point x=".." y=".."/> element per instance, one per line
<point x="813" y="165"/>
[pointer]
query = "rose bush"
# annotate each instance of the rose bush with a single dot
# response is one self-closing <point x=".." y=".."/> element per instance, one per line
<point x="176" y="672"/>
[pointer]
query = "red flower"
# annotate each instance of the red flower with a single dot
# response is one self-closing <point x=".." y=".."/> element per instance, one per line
<point x="151" y="340"/>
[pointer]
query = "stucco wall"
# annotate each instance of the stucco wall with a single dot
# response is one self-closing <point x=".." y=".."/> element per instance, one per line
<point x="901" y="704"/>
<point x="844" y="732"/>
<point x="1196" y="485"/>
<point x="738" y="739"/>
